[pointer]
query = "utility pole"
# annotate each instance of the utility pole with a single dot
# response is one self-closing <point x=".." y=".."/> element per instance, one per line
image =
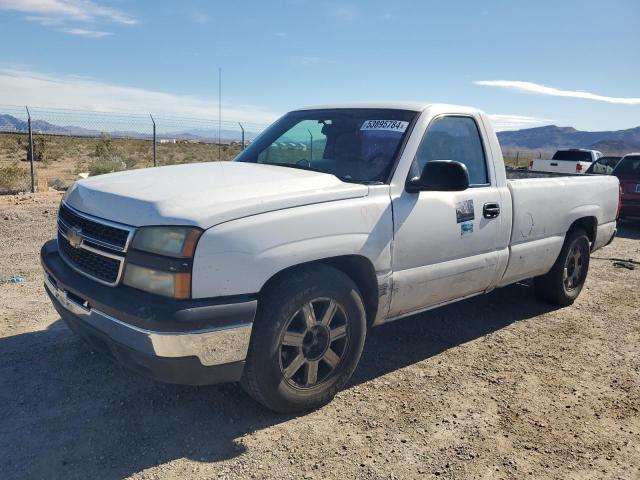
<point x="219" y="112"/>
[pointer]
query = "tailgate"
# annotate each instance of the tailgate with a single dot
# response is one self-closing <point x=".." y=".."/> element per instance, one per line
<point x="558" y="166"/>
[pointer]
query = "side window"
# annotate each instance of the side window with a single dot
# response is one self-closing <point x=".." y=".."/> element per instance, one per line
<point x="453" y="138"/>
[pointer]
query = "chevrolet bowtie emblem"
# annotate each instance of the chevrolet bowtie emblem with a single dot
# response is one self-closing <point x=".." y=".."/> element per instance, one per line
<point x="74" y="235"/>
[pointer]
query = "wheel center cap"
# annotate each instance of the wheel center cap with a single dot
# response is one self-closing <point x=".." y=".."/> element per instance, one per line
<point x="315" y="342"/>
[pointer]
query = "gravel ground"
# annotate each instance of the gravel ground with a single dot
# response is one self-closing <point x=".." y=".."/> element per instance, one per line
<point x="500" y="386"/>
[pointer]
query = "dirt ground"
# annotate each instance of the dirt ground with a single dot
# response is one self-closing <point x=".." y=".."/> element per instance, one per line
<point x="500" y="386"/>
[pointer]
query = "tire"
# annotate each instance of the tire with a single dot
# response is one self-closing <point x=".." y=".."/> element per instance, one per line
<point x="553" y="287"/>
<point x="310" y="320"/>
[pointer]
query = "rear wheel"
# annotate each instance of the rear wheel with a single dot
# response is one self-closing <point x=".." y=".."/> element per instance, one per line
<point x="306" y="341"/>
<point x="563" y="283"/>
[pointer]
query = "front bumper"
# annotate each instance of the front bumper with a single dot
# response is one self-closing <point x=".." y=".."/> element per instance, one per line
<point x="193" y="342"/>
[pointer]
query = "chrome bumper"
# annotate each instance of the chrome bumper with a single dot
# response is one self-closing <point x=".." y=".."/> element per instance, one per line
<point x="217" y="346"/>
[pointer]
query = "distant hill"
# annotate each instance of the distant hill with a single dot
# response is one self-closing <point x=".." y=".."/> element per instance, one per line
<point x="551" y="137"/>
<point x="9" y="123"/>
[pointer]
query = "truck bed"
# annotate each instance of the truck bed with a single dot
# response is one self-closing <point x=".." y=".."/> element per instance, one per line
<point x="544" y="206"/>
<point x="520" y="173"/>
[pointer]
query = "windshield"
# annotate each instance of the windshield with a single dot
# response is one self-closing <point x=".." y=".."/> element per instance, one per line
<point x="354" y="144"/>
<point x="628" y="167"/>
<point x="572" y="156"/>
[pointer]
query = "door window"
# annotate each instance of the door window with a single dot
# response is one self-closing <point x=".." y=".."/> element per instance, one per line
<point x="453" y="138"/>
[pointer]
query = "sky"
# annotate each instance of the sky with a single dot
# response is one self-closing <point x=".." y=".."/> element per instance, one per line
<point x="526" y="63"/>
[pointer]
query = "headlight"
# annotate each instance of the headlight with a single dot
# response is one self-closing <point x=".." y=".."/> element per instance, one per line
<point x="170" y="241"/>
<point x="176" y="285"/>
<point x="160" y="260"/>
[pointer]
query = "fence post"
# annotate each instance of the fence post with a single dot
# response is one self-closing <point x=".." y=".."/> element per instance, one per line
<point x="518" y="159"/>
<point x="33" y="182"/>
<point x="155" y="162"/>
<point x="242" y="128"/>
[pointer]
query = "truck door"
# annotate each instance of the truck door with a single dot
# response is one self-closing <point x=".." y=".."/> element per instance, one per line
<point x="445" y="244"/>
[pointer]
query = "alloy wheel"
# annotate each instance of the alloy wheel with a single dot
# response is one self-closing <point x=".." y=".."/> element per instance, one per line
<point x="573" y="267"/>
<point x="313" y="343"/>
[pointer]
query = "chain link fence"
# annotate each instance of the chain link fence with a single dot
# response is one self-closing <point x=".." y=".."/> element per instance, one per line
<point x="51" y="148"/>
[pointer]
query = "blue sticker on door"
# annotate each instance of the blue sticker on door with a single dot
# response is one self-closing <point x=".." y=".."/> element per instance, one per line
<point x="466" y="229"/>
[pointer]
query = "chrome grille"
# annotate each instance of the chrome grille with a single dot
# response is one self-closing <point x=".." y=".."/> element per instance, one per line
<point x="92" y="246"/>
<point x="100" y="231"/>
<point x="96" y="265"/>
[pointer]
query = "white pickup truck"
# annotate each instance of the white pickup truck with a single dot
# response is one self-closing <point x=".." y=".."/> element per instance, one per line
<point x="270" y="269"/>
<point x="570" y="160"/>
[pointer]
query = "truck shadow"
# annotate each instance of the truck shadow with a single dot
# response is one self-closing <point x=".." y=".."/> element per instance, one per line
<point x="68" y="413"/>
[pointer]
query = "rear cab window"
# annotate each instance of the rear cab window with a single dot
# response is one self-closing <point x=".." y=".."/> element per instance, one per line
<point x="572" y="156"/>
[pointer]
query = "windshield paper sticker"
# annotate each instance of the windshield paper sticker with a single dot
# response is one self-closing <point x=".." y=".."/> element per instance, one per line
<point x="464" y="211"/>
<point x="388" y="125"/>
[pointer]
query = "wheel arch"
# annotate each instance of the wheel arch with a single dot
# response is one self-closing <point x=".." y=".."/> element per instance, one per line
<point x="589" y="224"/>
<point x="357" y="267"/>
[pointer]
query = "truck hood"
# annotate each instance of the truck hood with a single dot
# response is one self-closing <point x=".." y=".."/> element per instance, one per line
<point x="204" y="194"/>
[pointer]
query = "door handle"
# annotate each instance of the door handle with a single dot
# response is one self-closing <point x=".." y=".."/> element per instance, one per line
<point x="554" y="164"/>
<point x="490" y="210"/>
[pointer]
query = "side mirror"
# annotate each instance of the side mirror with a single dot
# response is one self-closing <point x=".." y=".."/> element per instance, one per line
<point x="440" y="176"/>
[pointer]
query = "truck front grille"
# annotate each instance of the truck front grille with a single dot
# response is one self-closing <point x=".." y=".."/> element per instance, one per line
<point x="98" y="266"/>
<point x="102" y="233"/>
<point x="93" y="246"/>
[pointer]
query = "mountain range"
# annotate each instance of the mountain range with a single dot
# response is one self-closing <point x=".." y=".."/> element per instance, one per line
<point x="9" y="123"/>
<point x="547" y="138"/>
<point x="552" y="137"/>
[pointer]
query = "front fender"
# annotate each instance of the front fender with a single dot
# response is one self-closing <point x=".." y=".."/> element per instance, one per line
<point x="240" y="256"/>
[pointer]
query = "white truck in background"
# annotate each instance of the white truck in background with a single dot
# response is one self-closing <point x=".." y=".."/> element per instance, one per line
<point x="569" y="160"/>
<point x="269" y="269"/>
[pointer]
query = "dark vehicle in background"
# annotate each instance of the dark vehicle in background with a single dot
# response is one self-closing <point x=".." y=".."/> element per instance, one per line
<point x="628" y="172"/>
<point x="603" y="166"/>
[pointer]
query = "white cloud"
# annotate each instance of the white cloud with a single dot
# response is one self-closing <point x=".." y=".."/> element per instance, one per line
<point x="22" y="87"/>
<point x="342" y="11"/>
<point x="310" y="61"/>
<point x="70" y="10"/>
<point x="530" y="87"/>
<point x="44" y="21"/>
<point x="503" y="122"/>
<point x="85" y="33"/>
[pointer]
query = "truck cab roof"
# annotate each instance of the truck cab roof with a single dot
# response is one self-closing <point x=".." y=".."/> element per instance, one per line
<point x="396" y="105"/>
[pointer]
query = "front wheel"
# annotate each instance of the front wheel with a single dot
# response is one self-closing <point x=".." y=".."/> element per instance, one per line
<point x="563" y="283"/>
<point x="306" y="341"/>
